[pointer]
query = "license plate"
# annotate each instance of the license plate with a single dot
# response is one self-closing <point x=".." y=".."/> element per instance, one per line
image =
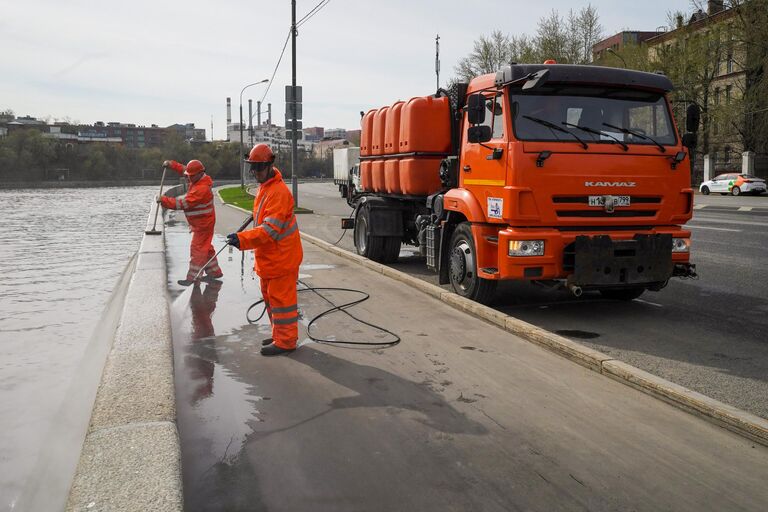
<point x="602" y="200"/>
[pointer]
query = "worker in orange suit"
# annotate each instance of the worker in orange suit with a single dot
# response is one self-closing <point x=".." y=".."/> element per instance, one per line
<point x="276" y="242"/>
<point x="201" y="217"/>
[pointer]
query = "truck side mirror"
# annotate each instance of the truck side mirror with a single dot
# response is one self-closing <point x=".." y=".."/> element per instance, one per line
<point x="478" y="134"/>
<point x="692" y="118"/>
<point x="476" y="109"/>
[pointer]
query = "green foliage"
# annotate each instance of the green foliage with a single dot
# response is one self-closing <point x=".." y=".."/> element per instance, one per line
<point x="26" y="155"/>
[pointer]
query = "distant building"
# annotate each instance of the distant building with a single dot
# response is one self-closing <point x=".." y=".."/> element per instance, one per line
<point x="617" y="42"/>
<point x="128" y="135"/>
<point x="324" y="148"/>
<point x="314" y="134"/>
<point x="335" y="133"/>
<point x="726" y="88"/>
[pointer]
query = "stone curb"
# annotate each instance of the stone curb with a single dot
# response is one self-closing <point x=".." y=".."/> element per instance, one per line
<point x="131" y="456"/>
<point x="741" y="422"/>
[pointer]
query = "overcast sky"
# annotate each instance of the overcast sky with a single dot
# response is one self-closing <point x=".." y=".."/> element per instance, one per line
<point x="169" y="61"/>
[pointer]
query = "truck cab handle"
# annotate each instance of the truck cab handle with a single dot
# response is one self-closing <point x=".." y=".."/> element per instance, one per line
<point x="467" y="168"/>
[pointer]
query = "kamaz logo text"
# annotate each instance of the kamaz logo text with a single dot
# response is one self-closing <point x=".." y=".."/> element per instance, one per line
<point x="610" y="184"/>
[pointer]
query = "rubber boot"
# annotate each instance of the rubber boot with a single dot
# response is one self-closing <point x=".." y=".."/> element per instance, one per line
<point x="266" y="342"/>
<point x="274" y="350"/>
<point x="185" y="282"/>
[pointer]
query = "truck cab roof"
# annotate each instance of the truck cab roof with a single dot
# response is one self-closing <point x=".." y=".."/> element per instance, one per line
<point x="586" y="75"/>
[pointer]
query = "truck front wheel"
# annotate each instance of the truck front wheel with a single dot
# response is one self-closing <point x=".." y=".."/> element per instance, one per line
<point x="463" y="267"/>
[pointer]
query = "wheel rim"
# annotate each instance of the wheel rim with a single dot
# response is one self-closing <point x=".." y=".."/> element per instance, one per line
<point x="463" y="267"/>
<point x="736" y="191"/>
<point x="361" y="231"/>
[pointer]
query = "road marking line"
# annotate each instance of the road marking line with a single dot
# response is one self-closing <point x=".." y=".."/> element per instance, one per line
<point x="715" y="229"/>
<point x="649" y="303"/>
<point x="699" y="206"/>
<point x="745" y="208"/>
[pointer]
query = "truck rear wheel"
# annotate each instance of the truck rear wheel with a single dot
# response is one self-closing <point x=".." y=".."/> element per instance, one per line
<point x="384" y="249"/>
<point x="463" y="267"/>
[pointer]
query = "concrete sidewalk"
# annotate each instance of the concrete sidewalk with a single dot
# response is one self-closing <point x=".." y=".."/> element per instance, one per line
<point x="460" y="416"/>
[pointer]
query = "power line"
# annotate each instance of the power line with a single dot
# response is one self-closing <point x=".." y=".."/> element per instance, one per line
<point x="306" y="18"/>
<point x="311" y="13"/>
<point x="277" y="65"/>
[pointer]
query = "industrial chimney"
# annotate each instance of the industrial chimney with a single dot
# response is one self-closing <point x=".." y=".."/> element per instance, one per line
<point x="258" y="113"/>
<point x="229" y="116"/>
<point x="269" y="114"/>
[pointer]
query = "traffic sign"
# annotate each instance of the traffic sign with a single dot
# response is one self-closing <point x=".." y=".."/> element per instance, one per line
<point x="290" y="113"/>
<point x="289" y="94"/>
<point x="292" y="125"/>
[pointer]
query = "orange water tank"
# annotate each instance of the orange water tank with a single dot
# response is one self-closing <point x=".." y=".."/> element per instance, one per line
<point x="379" y="129"/>
<point x="392" y="129"/>
<point x="366" y="133"/>
<point x="377" y="173"/>
<point x="366" y="178"/>
<point x="392" y="176"/>
<point x="420" y="176"/>
<point x="425" y="125"/>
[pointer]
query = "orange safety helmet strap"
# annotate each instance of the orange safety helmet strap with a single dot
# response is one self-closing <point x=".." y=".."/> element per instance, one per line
<point x="261" y="153"/>
<point x="194" y="167"/>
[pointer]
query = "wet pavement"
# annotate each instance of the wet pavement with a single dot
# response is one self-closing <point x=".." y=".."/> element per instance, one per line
<point x="459" y="416"/>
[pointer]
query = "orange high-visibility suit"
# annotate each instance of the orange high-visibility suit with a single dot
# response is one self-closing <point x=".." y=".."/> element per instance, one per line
<point x="279" y="253"/>
<point x="201" y="216"/>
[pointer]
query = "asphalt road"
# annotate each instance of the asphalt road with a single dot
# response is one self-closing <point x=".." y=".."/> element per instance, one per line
<point x="707" y="334"/>
<point x="459" y="416"/>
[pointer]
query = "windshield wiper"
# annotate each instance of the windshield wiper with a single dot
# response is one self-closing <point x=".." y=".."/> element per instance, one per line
<point x="627" y="131"/>
<point x="553" y="126"/>
<point x="598" y="132"/>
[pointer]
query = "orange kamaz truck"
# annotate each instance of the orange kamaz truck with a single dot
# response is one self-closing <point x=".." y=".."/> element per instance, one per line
<point x="556" y="174"/>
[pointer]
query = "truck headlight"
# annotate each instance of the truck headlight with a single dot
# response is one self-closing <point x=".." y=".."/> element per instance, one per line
<point x="681" y="245"/>
<point x="526" y="248"/>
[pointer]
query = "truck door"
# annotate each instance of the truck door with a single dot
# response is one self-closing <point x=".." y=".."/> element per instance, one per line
<point x="479" y="168"/>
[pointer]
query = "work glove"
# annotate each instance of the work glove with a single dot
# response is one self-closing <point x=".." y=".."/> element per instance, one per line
<point x="167" y="163"/>
<point x="233" y="240"/>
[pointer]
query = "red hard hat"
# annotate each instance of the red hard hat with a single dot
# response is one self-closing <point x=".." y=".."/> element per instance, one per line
<point x="261" y="153"/>
<point x="194" y="167"/>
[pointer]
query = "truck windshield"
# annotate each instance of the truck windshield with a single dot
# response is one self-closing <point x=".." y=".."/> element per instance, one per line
<point x="597" y="115"/>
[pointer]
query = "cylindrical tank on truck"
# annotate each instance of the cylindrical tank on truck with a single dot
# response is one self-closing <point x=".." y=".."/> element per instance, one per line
<point x="555" y="174"/>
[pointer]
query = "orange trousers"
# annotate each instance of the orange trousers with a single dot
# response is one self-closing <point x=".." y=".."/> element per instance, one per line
<point x="200" y="251"/>
<point x="281" y="302"/>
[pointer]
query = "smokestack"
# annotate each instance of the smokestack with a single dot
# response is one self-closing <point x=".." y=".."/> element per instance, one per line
<point x="269" y="114"/>
<point x="250" y="116"/>
<point x="229" y="116"/>
<point x="258" y="113"/>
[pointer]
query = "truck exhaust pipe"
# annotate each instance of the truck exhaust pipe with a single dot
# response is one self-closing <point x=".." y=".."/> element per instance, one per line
<point x="575" y="290"/>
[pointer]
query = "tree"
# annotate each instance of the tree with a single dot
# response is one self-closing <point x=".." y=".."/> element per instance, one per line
<point x="568" y="41"/>
<point x="488" y="56"/>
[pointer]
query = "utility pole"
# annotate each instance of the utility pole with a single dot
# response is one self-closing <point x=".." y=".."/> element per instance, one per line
<point x="294" y="144"/>
<point x="437" y="60"/>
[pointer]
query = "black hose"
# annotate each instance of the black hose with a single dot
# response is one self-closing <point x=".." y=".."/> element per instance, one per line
<point x="343" y="308"/>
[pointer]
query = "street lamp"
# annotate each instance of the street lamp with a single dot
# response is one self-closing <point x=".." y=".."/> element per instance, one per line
<point x="611" y="50"/>
<point x="242" y="164"/>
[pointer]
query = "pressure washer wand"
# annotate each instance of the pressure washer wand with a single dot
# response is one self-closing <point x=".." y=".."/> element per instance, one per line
<point x="154" y="231"/>
<point x="242" y="227"/>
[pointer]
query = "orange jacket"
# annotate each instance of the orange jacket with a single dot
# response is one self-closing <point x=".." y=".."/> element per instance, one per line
<point x="276" y="235"/>
<point x="197" y="203"/>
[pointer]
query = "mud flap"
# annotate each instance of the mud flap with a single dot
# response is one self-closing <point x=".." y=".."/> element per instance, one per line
<point x="601" y="261"/>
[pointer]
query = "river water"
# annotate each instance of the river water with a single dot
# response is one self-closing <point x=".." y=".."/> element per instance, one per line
<point x="62" y="252"/>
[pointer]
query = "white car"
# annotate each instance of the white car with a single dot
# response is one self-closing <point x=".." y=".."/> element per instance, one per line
<point x="734" y="183"/>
